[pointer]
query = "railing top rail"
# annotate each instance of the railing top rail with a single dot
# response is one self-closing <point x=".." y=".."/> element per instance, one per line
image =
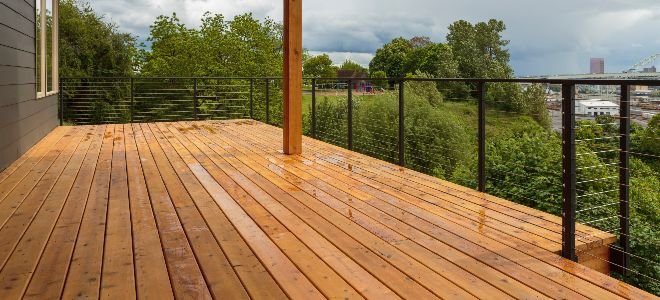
<point x="646" y="82"/>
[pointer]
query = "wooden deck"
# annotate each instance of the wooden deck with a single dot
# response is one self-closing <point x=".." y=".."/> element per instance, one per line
<point x="214" y="210"/>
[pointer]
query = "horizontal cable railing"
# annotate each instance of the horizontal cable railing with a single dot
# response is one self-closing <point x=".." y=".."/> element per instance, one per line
<point x="531" y="141"/>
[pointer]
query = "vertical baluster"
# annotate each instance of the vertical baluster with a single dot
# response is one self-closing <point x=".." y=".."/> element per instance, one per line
<point x="314" y="108"/>
<point x="267" y="101"/>
<point x="195" y="100"/>
<point x="251" y="98"/>
<point x="569" y="173"/>
<point x="61" y="101"/>
<point x="402" y="122"/>
<point x="482" y="137"/>
<point x="624" y="179"/>
<point x="131" y="108"/>
<point x="350" y="115"/>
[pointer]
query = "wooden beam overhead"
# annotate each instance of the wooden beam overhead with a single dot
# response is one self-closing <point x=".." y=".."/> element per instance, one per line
<point x="293" y="76"/>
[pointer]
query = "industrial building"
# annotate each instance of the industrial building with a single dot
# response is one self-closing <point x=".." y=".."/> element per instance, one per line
<point x="596" y="107"/>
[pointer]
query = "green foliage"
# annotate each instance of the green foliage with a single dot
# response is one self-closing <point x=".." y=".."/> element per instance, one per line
<point x="472" y="51"/>
<point x="599" y="136"/>
<point x="650" y="138"/>
<point x="535" y="99"/>
<point x="391" y="58"/>
<point x="479" y="49"/>
<point x="436" y="60"/>
<point x="243" y="47"/>
<point x="434" y="153"/>
<point x="376" y="132"/>
<point x="420" y="41"/>
<point x="524" y="167"/>
<point x="89" y="46"/>
<point x="425" y="90"/>
<point x="645" y="217"/>
<point x="379" y="79"/>
<point x="350" y="65"/>
<point x="319" y="66"/>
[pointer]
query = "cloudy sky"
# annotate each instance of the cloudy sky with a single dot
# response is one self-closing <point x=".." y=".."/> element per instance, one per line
<point x="547" y="37"/>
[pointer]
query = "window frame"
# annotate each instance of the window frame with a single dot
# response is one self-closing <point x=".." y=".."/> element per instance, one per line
<point x="42" y="49"/>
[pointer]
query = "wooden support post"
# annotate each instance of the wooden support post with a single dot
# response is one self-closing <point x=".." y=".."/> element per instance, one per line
<point x="292" y="76"/>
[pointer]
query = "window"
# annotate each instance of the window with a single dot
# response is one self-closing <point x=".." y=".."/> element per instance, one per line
<point x="47" y="63"/>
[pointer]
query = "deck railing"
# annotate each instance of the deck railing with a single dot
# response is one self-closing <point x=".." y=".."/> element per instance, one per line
<point x="402" y="120"/>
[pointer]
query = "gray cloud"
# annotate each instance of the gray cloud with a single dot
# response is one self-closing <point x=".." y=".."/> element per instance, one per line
<point x="555" y="37"/>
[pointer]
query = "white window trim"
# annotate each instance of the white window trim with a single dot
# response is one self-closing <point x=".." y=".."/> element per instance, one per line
<point x="43" y="67"/>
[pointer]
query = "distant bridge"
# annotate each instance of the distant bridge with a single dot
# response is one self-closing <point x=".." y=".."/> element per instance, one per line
<point x="647" y="62"/>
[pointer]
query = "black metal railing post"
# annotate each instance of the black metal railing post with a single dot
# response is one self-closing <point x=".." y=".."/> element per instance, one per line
<point x="132" y="106"/>
<point x="350" y="114"/>
<point x="314" y="107"/>
<point x="195" y="100"/>
<point x="624" y="180"/>
<point x="60" y="99"/>
<point x="569" y="172"/>
<point x="402" y="123"/>
<point x="267" y="101"/>
<point x="482" y="137"/>
<point x="251" y="98"/>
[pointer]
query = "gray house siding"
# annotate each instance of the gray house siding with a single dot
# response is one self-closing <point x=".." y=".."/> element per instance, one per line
<point x="24" y="120"/>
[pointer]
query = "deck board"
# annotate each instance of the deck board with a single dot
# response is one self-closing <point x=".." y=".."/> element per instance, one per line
<point x="215" y="210"/>
<point x="220" y="277"/>
<point x="495" y="261"/>
<point x="84" y="274"/>
<point x="151" y="277"/>
<point x="49" y="277"/>
<point x="184" y="271"/>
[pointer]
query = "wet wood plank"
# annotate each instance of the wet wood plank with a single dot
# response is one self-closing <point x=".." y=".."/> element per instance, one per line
<point x="48" y="279"/>
<point x="216" y="210"/>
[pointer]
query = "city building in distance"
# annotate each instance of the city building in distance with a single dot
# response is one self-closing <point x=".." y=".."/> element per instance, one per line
<point x="597" y="66"/>
<point x="596" y="107"/>
<point x="650" y="70"/>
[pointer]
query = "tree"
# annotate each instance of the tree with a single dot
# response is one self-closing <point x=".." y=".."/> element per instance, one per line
<point x="350" y="65"/>
<point x="319" y="66"/>
<point x="391" y="58"/>
<point x="89" y="46"/>
<point x="175" y="50"/>
<point x="436" y="60"/>
<point x="480" y="49"/>
<point x="243" y="46"/>
<point x="420" y="41"/>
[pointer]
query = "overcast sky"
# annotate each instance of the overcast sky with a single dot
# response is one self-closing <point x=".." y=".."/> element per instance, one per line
<point x="547" y="37"/>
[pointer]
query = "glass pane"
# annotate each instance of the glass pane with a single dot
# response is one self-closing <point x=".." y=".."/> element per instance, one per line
<point x="38" y="46"/>
<point x="49" y="45"/>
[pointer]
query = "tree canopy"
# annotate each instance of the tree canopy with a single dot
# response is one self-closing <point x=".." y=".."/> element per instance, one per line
<point x="479" y="49"/>
<point x="471" y="51"/>
<point x="90" y="46"/>
<point x="319" y="66"/>
<point x="243" y="46"/>
<point x="350" y="65"/>
<point x="391" y="58"/>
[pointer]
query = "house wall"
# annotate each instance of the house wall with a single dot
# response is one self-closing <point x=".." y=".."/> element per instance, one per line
<point x="24" y="120"/>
